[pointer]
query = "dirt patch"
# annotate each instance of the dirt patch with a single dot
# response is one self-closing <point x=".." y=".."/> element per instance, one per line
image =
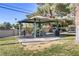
<point x="40" y="46"/>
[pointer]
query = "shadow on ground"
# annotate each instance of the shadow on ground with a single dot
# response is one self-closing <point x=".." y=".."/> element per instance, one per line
<point x="9" y="44"/>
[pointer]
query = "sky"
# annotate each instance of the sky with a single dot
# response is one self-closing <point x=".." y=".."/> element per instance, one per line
<point x="9" y="15"/>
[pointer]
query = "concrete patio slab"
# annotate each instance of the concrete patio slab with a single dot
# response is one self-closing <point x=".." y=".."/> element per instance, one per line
<point x="25" y="41"/>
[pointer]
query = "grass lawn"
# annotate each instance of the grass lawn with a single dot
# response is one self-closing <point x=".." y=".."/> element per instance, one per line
<point x="63" y="47"/>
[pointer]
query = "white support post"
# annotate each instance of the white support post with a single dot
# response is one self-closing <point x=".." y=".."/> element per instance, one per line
<point x="19" y="30"/>
<point x="34" y="28"/>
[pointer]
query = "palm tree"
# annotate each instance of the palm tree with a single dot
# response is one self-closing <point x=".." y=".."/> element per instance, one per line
<point x="48" y="9"/>
<point x="44" y="9"/>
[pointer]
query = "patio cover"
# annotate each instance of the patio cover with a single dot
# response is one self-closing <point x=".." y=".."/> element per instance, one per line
<point x="42" y="19"/>
<point x="37" y="19"/>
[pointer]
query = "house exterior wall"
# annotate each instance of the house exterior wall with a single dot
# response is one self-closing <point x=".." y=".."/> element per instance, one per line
<point x="77" y="22"/>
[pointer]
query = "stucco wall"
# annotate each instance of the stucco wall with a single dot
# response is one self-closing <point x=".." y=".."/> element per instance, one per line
<point x="5" y="33"/>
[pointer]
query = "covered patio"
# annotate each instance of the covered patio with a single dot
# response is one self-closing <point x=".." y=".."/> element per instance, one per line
<point x="39" y="36"/>
<point x="37" y="22"/>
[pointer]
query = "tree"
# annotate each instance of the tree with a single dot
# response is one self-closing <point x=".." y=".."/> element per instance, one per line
<point x="62" y="9"/>
<point x="5" y="26"/>
<point x="16" y="26"/>
<point x="72" y="8"/>
<point x="51" y="8"/>
<point x="46" y="8"/>
<point x="2" y="27"/>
